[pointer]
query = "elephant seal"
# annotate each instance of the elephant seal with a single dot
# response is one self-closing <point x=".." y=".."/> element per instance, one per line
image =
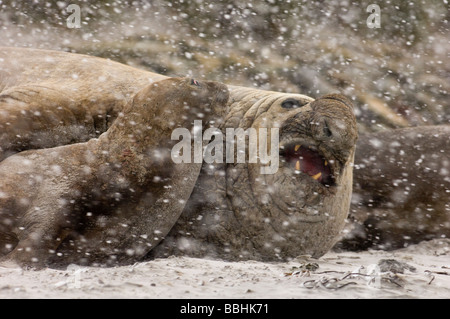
<point x="110" y="199"/>
<point x="234" y="212"/>
<point x="51" y="98"/>
<point x="237" y="213"/>
<point x="401" y="188"/>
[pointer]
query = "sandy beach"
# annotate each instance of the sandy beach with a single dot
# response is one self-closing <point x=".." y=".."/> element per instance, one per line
<point x="419" y="271"/>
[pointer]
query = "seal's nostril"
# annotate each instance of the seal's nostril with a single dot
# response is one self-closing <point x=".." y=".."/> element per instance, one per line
<point x="326" y="130"/>
<point x="292" y="103"/>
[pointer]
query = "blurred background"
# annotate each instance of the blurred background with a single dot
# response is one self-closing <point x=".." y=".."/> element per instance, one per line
<point x="397" y="75"/>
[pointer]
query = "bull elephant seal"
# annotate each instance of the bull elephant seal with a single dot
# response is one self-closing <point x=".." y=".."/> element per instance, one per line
<point x="236" y="213"/>
<point x="105" y="200"/>
<point x="233" y="212"/>
<point x="401" y="188"/>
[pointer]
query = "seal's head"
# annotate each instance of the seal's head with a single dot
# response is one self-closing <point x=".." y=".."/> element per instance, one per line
<point x="146" y="124"/>
<point x="300" y="208"/>
<point x="255" y="210"/>
<point x="196" y="98"/>
<point x="318" y="141"/>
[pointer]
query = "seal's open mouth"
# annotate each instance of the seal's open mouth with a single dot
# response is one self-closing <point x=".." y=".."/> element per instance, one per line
<point x="306" y="159"/>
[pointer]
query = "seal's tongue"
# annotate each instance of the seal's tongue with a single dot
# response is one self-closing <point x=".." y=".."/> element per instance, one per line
<point x="310" y="162"/>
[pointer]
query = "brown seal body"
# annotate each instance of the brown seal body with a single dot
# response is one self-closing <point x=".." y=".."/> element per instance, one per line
<point x="111" y="199"/>
<point x="237" y="213"/>
<point x="51" y="98"/>
<point x="401" y="188"/>
<point x="234" y="212"/>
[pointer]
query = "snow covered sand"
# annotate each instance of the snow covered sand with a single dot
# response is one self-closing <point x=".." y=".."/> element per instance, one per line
<point x="419" y="271"/>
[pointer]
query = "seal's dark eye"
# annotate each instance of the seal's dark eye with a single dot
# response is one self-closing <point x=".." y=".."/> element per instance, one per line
<point x="195" y="82"/>
<point x="292" y="103"/>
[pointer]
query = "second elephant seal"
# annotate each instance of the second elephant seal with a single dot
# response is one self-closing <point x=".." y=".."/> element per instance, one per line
<point x="111" y="199"/>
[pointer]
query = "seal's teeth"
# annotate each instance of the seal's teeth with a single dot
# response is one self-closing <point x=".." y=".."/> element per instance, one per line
<point x="317" y="176"/>
<point x="297" y="165"/>
<point x="297" y="147"/>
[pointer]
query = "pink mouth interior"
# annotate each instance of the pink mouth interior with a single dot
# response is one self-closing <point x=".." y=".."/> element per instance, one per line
<point x="308" y="161"/>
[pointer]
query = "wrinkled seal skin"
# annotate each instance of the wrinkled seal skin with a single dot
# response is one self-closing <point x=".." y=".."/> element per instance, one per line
<point x="107" y="200"/>
<point x="401" y="188"/>
<point x="234" y="211"/>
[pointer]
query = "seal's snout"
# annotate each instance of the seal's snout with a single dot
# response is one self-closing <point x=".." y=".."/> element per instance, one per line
<point x="334" y="123"/>
<point x="331" y="131"/>
<point x="329" y="143"/>
<point x="221" y="92"/>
